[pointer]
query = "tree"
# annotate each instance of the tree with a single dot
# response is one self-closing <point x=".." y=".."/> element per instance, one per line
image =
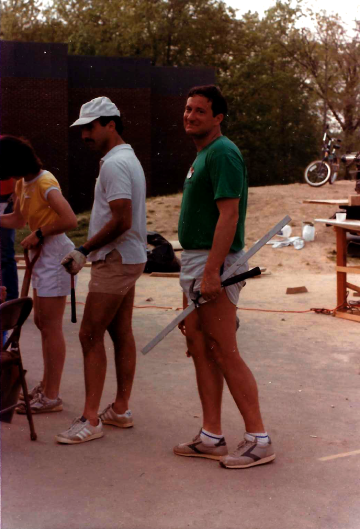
<point x="329" y="59"/>
<point x="29" y="21"/>
<point x="169" y="32"/>
<point x="273" y="116"/>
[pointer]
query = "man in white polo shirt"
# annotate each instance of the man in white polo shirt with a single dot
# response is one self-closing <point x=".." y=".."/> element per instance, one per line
<point x="116" y="246"/>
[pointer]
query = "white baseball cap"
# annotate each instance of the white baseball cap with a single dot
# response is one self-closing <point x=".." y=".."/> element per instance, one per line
<point x="95" y="109"/>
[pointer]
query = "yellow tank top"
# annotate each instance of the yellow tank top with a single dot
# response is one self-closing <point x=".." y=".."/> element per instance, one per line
<point x="32" y="195"/>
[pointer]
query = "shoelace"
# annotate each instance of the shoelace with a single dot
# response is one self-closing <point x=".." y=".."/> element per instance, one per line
<point x="76" y="421"/>
<point x="40" y="398"/>
<point x="242" y="444"/>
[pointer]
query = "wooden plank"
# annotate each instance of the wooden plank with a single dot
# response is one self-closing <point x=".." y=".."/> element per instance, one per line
<point x="177" y="274"/>
<point x="353" y="287"/>
<point x="347" y="316"/>
<point x="176" y="246"/>
<point x="20" y="265"/>
<point x="165" y="274"/>
<point x="329" y="202"/>
<point x="350" y="225"/>
<point x="348" y="269"/>
<point x="296" y="290"/>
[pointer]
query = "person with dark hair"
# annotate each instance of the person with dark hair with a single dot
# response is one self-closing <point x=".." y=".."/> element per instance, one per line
<point x="40" y="203"/>
<point x="211" y="231"/>
<point x="9" y="276"/>
<point x="116" y="247"/>
<point x="213" y="94"/>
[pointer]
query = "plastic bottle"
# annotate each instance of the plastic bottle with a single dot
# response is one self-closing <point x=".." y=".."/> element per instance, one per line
<point x="285" y="231"/>
<point x="308" y="231"/>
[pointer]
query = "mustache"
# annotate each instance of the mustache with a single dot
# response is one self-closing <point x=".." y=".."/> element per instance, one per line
<point x="88" y="140"/>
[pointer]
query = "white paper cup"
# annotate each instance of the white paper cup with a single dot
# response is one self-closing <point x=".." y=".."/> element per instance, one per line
<point x="340" y="217"/>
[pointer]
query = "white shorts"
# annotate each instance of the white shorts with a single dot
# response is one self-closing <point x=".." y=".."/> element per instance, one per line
<point x="49" y="277"/>
<point x="192" y="267"/>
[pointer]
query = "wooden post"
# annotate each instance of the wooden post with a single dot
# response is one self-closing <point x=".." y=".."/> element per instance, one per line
<point x="341" y="261"/>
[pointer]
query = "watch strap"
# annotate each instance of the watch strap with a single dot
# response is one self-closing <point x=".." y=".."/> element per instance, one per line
<point x="83" y="250"/>
<point x="39" y="234"/>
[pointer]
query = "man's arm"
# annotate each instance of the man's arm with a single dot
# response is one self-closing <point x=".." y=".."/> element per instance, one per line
<point x="121" y="220"/>
<point x="223" y="239"/>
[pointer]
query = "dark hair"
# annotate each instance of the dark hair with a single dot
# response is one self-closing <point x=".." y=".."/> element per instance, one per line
<point x="17" y="157"/>
<point x="119" y="126"/>
<point x="213" y="93"/>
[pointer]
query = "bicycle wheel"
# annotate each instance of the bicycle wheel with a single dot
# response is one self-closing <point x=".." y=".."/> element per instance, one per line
<point x="317" y="173"/>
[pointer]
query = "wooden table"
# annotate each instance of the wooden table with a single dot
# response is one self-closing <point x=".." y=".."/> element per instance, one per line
<point x="342" y="269"/>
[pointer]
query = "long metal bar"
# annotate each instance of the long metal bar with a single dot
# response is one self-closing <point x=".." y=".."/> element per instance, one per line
<point x="245" y="257"/>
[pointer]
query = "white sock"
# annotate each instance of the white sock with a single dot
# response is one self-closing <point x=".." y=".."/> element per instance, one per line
<point x="208" y="438"/>
<point x="126" y="414"/>
<point x="261" y="438"/>
<point x="46" y="399"/>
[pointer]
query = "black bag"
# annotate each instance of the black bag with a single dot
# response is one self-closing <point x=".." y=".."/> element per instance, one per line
<point x="161" y="258"/>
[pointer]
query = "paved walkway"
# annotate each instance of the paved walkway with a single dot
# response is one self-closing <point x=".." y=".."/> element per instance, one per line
<point x="307" y="367"/>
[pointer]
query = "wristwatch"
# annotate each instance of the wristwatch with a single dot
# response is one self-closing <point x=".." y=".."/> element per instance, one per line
<point x="39" y="235"/>
<point x="82" y="250"/>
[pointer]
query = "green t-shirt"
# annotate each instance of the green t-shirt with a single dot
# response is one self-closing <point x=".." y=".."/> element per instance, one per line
<point x="219" y="171"/>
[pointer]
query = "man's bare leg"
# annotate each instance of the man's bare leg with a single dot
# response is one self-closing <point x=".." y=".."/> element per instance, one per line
<point x="121" y="333"/>
<point x="210" y="380"/>
<point x="100" y="309"/>
<point x="218" y="323"/>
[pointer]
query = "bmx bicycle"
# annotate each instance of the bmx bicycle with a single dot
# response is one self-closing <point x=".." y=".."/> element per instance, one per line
<point x="319" y="172"/>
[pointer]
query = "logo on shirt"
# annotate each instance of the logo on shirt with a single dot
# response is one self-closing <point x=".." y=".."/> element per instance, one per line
<point x="190" y="173"/>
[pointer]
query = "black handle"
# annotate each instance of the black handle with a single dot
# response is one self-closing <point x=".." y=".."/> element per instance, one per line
<point x="73" y="301"/>
<point x="241" y="277"/>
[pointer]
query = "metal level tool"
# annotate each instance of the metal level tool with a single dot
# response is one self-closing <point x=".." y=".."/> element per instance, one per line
<point x="230" y="271"/>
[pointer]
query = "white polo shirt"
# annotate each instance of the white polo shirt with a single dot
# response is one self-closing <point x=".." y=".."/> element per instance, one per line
<point x="121" y="176"/>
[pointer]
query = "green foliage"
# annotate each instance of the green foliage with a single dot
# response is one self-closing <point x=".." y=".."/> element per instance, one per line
<point x="329" y="59"/>
<point x="282" y="81"/>
<point x="273" y="117"/>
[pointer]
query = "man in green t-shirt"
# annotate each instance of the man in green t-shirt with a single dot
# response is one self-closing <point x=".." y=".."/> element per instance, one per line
<point x="211" y="231"/>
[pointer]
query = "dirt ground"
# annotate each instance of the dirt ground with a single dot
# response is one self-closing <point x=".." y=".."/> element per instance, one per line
<point x="266" y="206"/>
<point x="307" y="370"/>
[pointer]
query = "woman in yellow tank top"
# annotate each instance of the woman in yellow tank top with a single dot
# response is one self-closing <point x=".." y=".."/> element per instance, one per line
<point x="40" y="203"/>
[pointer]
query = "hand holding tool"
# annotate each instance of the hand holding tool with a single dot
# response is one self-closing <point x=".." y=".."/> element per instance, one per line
<point x="243" y="259"/>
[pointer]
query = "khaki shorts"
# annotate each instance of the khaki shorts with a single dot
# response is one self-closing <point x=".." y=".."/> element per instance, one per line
<point x="111" y="276"/>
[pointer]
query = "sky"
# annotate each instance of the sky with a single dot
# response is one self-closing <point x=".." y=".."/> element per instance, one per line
<point x="347" y="9"/>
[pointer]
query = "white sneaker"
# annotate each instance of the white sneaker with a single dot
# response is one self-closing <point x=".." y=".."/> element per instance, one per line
<point x="109" y="416"/>
<point x="79" y="432"/>
<point x="41" y="404"/>
<point x="39" y="388"/>
<point x="249" y="454"/>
